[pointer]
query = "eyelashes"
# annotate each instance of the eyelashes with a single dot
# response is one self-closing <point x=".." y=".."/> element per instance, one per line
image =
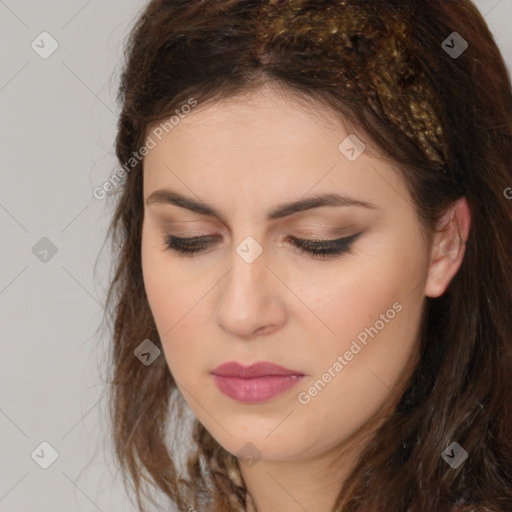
<point x="190" y="245"/>
<point x="322" y="249"/>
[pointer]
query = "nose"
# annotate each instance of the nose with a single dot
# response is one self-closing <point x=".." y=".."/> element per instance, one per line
<point x="250" y="300"/>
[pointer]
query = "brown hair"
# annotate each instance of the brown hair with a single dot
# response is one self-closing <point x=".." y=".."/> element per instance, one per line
<point x="446" y="119"/>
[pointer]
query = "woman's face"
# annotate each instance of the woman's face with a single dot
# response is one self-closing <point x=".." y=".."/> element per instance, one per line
<point x="346" y="326"/>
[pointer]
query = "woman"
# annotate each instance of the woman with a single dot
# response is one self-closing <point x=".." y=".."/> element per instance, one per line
<point x="314" y="246"/>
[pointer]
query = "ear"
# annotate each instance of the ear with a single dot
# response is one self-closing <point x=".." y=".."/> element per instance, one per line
<point x="448" y="247"/>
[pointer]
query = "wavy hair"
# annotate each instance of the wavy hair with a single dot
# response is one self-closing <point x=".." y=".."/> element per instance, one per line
<point x="389" y="70"/>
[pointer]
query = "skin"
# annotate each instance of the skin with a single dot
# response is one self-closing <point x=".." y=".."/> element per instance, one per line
<point x="244" y="156"/>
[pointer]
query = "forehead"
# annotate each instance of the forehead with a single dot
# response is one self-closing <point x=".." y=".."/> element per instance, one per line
<point x="264" y="147"/>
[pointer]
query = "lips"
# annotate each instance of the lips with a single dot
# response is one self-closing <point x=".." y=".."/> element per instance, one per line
<point x="260" y="369"/>
<point x="255" y="383"/>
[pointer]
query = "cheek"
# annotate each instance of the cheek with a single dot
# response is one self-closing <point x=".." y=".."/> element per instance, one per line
<point x="361" y="371"/>
<point x="350" y="295"/>
<point x="374" y="319"/>
<point x="170" y="298"/>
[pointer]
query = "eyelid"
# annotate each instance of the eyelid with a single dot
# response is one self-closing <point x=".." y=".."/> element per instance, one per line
<point x="328" y="239"/>
<point x="314" y="237"/>
<point x="207" y="237"/>
<point x="329" y="243"/>
<point x="203" y="238"/>
<point x="324" y="249"/>
<point x="312" y="228"/>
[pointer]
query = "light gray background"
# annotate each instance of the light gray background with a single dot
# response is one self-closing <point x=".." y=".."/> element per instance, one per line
<point x="57" y="133"/>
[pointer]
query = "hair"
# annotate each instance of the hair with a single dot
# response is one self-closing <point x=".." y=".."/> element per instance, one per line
<point x="446" y="120"/>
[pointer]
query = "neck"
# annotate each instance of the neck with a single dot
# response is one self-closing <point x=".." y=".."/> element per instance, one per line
<point x="309" y="483"/>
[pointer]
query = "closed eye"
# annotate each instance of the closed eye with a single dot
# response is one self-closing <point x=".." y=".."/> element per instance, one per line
<point x="190" y="246"/>
<point x="325" y="248"/>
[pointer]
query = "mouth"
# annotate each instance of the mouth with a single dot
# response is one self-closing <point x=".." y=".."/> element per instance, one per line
<point x="256" y="383"/>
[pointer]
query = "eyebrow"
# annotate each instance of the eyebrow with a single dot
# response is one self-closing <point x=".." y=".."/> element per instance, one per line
<point x="167" y="196"/>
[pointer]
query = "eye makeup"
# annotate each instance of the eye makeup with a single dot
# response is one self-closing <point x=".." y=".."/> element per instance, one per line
<point x="189" y="246"/>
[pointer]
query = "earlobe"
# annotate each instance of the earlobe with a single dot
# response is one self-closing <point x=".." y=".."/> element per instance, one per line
<point x="448" y="247"/>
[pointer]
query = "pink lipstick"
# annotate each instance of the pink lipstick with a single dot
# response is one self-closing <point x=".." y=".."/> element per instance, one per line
<point x="255" y="383"/>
